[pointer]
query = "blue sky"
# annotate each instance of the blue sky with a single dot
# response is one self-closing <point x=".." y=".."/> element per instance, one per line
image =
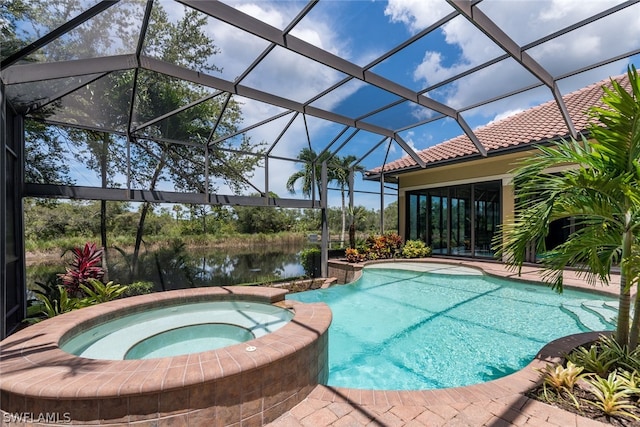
<point x="361" y="30"/>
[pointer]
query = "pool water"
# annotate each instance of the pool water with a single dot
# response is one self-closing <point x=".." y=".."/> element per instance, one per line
<point x="407" y="330"/>
<point x="177" y="329"/>
<point x="197" y="338"/>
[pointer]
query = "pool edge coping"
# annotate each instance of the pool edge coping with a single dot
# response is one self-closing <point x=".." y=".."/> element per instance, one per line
<point x="34" y="366"/>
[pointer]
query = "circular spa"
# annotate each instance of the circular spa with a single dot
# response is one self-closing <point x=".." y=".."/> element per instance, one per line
<point x="177" y="329"/>
<point x="229" y="354"/>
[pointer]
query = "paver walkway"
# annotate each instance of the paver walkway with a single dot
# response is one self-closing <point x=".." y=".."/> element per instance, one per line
<point x="496" y="403"/>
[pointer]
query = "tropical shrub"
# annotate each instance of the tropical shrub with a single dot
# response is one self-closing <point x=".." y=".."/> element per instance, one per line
<point x="85" y="265"/>
<point x="415" y="249"/>
<point x="138" y="288"/>
<point x="353" y="255"/>
<point x="383" y="246"/>
<point x="97" y="292"/>
<point x="386" y="246"/>
<point x="311" y="261"/>
<point x="51" y="304"/>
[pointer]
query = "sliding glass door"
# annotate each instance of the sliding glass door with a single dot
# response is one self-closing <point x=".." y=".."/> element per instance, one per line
<point x="458" y="220"/>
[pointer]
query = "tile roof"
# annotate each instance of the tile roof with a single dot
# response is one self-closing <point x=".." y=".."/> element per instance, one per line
<point x="538" y="124"/>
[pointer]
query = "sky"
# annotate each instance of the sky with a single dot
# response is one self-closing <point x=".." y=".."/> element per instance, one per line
<point x="362" y="30"/>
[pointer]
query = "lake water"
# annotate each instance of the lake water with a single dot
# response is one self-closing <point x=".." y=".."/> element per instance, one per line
<point x="181" y="267"/>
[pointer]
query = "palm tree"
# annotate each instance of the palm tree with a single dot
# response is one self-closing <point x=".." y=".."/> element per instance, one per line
<point x="310" y="173"/>
<point x="341" y="167"/>
<point x="601" y="194"/>
<point x="356" y="215"/>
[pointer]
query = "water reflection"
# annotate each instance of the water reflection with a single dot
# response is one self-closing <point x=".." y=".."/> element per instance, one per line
<point x="180" y="267"/>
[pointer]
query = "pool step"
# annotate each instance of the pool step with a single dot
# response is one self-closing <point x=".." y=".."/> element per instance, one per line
<point x="591" y="314"/>
<point x="607" y="314"/>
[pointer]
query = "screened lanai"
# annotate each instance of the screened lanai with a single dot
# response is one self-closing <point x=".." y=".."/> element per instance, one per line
<point x="213" y="102"/>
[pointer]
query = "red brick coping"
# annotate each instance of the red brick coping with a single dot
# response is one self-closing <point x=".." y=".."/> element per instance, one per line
<point x="227" y="386"/>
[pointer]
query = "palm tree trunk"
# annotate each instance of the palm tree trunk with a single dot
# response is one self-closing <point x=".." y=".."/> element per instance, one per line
<point x="624" y="299"/>
<point x="634" y="335"/>
<point x="344" y="218"/>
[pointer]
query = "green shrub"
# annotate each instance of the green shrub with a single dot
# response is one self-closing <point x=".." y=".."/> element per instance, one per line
<point x="97" y="292"/>
<point x="51" y="304"/>
<point x="138" y="288"/>
<point x="311" y="260"/>
<point x="415" y="249"/>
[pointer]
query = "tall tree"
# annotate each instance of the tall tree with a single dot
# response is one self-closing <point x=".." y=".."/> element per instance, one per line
<point x="601" y="194"/>
<point x="341" y="167"/>
<point x="112" y="31"/>
<point x="185" y="165"/>
<point x="311" y="173"/>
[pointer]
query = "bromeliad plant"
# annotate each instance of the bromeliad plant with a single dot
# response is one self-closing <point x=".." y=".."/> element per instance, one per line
<point x="612" y="396"/>
<point x="603" y="376"/>
<point x="562" y="379"/>
<point x="596" y="359"/>
<point x="86" y="265"/>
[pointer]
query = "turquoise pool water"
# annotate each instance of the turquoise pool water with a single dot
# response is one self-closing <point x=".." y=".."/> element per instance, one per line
<point x="407" y="330"/>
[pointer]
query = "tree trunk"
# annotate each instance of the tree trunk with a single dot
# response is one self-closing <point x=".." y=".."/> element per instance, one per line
<point x="624" y="299"/>
<point x="136" y="249"/>
<point x="634" y="335"/>
<point x="143" y="214"/>
<point x="344" y="218"/>
<point x="352" y="235"/>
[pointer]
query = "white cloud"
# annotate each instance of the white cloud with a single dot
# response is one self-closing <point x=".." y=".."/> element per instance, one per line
<point x="417" y="14"/>
<point x="505" y="114"/>
<point x="408" y="138"/>
<point x="524" y="21"/>
<point x="431" y="69"/>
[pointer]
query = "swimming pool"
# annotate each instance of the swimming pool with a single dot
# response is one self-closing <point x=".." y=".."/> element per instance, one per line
<point x="445" y="326"/>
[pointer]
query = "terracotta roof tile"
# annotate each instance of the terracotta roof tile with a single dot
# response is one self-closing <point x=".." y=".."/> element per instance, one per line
<point x="541" y="123"/>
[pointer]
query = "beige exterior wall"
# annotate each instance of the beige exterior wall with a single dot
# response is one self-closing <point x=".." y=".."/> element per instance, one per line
<point x="485" y="169"/>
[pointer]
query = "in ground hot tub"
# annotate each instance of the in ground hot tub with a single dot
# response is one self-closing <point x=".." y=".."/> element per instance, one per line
<point x="252" y="381"/>
<point x="178" y="329"/>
